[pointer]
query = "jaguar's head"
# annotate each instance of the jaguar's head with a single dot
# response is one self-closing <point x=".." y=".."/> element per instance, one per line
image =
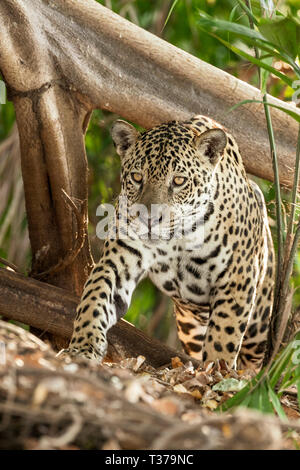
<point x="167" y="172"/>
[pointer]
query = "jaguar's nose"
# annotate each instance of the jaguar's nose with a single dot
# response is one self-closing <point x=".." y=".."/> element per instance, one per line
<point x="151" y="221"/>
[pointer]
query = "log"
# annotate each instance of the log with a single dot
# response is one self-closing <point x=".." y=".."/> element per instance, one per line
<point x="62" y="59"/>
<point x="52" y="310"/>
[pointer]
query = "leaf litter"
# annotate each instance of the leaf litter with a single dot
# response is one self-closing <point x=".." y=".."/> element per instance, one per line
<point x="49" y="402"/>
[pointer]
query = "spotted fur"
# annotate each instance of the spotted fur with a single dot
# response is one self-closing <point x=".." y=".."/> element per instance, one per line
<point x="222" y="288"/>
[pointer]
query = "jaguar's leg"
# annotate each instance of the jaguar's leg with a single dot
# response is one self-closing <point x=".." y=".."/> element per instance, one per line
<point x="106" y="297"/>
<point x="232" y="305"/>
<point x="192" y="325"/>
<point x="255" y="339"/>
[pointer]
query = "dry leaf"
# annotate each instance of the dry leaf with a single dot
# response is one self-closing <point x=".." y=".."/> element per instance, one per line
<point x="176" y="362"/>
<point x="179" y="388"/>
<point x="192" y="417"/>
<point x="196" y="394"/>
<point x="134" y="391"/>
<point x="226" y="429"/>
<point x="139" y="361"/>
<point x="211" y="404"/>
<point x="40" y="394"/>
<point x="111" y="444"/>
<point x="165" y="406"/>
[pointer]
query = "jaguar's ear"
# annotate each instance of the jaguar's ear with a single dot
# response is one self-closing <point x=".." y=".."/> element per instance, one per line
<point x="211" y="144"/>
<point x="124" y="135"/>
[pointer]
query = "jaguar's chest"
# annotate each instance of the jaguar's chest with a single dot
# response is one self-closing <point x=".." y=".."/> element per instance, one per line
<point x="189" y="274"/>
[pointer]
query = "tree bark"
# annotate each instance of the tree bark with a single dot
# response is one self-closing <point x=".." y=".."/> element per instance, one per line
<point x="99" y="60"/>
<point x="52" y="310"/>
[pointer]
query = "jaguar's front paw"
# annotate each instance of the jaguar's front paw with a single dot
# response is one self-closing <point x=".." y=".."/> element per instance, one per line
<point x="89" y="353"/>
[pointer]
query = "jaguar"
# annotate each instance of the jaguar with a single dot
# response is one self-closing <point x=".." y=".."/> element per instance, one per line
<point x="190" y="219"/>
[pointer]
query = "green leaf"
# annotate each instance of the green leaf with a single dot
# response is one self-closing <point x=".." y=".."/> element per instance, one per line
<point x="276" y="404"/>
<point x="170" y="13"/>
<point x="254" y="60"/>
<point x="294" y="3"/>
<point x="232" y="13"/>
<point x="265" y="74"/>
<point x="284" y="32"/>
<point x="230" y="385"/>
<point x="248" y="11"/>
<point x="249" y="35"/>
<point x="242" y="397"/>
<point x="261" y="396"/>
<point x="260" y="399"/>
<point x="237" y="400"/>
<point x="207" y="21"/>
<point x="279" y="366"/>
<point x="290" y="378"/>
<point x="246" y="401"/>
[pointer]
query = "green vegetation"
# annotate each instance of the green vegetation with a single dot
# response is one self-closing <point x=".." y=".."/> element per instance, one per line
<point x="264" y="393"/>
<point x="7" y="118"/>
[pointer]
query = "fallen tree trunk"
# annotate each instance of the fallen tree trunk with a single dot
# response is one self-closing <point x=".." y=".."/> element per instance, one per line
<point x="52" y="310"/>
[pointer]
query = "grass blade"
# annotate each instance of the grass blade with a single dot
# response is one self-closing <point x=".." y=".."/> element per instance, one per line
<point x="251" y="36"/>
<point x="260" y="399"/>
<point x="254" y="60"/>
<point x="169" y="14"/>
<point x="276" y="404"/>
<point x="242" y="397"/>
<point x="247" y="11"/>
<point x="293" y="114"/>
<point x="226" y="26"/>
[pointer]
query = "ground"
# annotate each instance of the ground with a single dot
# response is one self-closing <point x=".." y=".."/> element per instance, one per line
<point x="49" y="402"/>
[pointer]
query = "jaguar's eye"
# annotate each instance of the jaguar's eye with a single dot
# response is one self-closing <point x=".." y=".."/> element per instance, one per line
<point x="137" y="177"/>
<point x="179" y="180"/>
